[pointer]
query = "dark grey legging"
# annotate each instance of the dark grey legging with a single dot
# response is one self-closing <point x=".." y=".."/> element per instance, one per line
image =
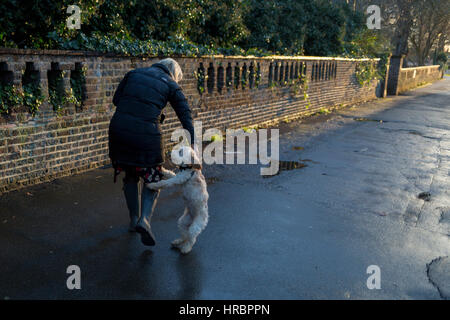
<point x="131" y="188"/>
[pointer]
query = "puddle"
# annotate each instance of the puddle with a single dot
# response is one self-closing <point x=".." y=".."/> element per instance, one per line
<point x="437" y="272"/>
<point x="288" y="165"/>
<point x="368" y="120"/>
<point x="308" y="160"/>
<point x="211" y="180"/>
<point x="445" y="216"/>
<point x="291" y="165"/>
<point x="425" y="196"/>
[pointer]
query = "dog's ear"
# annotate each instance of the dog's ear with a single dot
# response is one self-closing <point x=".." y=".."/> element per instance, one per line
<point x="196" y="162"/>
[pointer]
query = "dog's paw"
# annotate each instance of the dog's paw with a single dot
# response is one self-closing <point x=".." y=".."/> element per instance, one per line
<point x="167" y="173"/>
<point x="177" y="242"/>
<point x="151" y="186"/>
<point x="185" y="247"/>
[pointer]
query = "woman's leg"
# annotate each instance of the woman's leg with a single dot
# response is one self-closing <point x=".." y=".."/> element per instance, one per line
<point x="148" y="203"/>
<point x="131" y="192"/>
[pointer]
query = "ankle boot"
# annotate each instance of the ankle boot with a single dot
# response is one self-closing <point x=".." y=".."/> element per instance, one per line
<point x="131" y="192"/>
<point x="148" y="203"/>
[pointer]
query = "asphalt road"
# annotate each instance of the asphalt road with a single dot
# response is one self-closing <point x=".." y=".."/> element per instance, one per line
<point x="307" y="233"/>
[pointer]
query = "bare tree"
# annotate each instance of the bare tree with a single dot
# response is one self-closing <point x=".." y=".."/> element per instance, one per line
<point x="397" y="20"/>
<point x="430" y="26"/>
<point x="414" y="27"/>
<point x="404" y="11"/>
<point x="444" y="39"/>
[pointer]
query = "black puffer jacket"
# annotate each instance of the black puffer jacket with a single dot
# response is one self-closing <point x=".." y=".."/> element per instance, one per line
<point x="134" y="132"/>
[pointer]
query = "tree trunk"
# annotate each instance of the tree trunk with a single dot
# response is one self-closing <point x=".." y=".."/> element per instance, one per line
<point x="404" y="24"/>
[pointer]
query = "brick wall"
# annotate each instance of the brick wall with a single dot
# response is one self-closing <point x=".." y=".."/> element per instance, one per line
<point x="410" y="78"/>
<point x="236" y="92"/>
<point x="403" y="79"/>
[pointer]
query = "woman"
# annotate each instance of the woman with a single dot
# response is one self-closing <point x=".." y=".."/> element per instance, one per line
<point x="135" y="144"/>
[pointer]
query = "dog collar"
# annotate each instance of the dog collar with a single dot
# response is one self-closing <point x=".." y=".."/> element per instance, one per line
<point x="187" y="167"/>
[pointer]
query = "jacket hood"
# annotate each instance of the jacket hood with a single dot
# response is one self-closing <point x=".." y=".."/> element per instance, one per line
<point x="163" y="67"/>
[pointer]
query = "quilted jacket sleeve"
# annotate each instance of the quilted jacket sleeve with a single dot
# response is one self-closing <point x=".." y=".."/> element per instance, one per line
<point x="179" y="103"/>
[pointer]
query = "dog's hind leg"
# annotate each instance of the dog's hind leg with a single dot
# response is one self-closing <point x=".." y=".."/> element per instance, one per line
<point x="183" y="225"/>
<point x="197" y="226"/>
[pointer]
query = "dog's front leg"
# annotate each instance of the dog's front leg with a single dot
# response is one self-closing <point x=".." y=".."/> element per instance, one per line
<point x="179" y="179"/>
<point x="167" y="173"/>
<point x="157" y="185"/>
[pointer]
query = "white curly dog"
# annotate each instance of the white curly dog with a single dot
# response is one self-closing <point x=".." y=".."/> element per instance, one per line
<point x="195" y="195"/>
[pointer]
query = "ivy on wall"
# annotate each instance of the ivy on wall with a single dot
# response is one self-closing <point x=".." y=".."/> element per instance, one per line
<point x="301" y="85"/>
<point x="9" y="98"/>
<point x="32" y="97"/>
<point x="365" y="72"/>
<point x="58" y="97"/>
<point x="77" y="84"/>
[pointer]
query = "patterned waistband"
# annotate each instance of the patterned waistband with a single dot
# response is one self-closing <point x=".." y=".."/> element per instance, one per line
<point x="152" y="174"/>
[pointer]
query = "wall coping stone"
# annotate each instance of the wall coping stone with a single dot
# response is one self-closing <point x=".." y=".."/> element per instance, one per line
<point x="435" y="66"/>
<point x="15" y="51"/>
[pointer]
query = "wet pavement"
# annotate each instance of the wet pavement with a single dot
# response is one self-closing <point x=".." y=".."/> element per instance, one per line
<point x="373" y="190"/>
